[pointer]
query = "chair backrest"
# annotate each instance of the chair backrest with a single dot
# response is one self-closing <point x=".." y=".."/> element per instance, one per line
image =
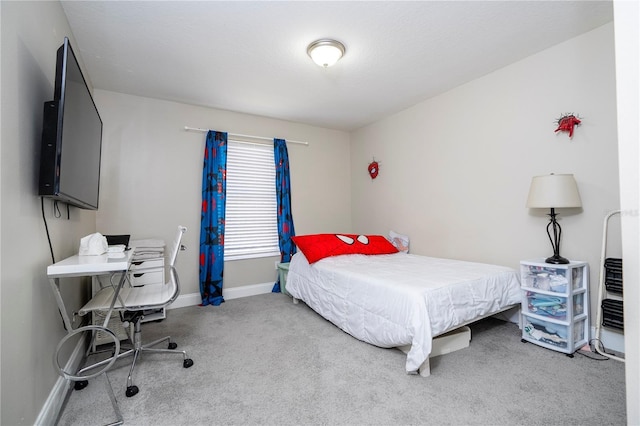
<point x="174" y="281"/>
<point x="176" y="246"/>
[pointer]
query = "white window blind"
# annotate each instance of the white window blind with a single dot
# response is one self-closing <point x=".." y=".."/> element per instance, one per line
<point x="251" y="225"/>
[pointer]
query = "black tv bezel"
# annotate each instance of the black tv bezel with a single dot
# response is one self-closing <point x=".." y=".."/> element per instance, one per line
<point x="52" y="132"/>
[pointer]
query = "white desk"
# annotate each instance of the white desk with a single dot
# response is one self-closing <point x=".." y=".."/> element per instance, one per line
<point x="90" y="265"/>
<point x="87" y="266"/>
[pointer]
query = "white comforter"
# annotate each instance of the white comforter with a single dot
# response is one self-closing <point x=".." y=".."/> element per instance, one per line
<point x="401" y="299"/>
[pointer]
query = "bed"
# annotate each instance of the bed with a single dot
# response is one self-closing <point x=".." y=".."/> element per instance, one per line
<point x="401" y="300"/>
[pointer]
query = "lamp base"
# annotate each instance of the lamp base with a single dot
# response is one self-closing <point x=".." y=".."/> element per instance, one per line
<point x="556" y="259"/>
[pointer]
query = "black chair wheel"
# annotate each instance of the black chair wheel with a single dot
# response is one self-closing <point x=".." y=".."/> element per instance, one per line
<point x="132" y="390"/>
<point x="173" y="345"/>
<point x="187" y="363"/>
<point x="81" y="384"/>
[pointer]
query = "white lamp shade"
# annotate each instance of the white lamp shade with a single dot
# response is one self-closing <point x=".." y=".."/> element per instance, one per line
<point x="553" y="191"/>
<point x="325" y="52"/>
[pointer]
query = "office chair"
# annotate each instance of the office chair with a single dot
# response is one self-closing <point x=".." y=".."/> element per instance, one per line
<point x="132" y="302"/>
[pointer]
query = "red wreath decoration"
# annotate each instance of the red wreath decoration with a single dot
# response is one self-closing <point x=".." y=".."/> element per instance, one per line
<point x="373" y="169"/>
<point x="567" y="122"/>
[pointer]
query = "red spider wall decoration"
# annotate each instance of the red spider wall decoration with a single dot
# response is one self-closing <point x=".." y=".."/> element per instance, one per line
<point x="567" y="122"/>
<point x="373" y="169"/>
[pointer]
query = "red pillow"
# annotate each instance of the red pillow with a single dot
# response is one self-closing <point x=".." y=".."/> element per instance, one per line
<point x="319" y="246"/>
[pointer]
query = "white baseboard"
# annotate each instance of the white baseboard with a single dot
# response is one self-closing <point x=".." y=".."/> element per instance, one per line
<point x="52" y="406"/>
<point x="184" y="300"/>
<point x="194" y="299"/>
<point x="247" y="290"/>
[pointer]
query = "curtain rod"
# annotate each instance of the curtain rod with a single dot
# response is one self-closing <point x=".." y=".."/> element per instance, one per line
<point x="198" y="129"/>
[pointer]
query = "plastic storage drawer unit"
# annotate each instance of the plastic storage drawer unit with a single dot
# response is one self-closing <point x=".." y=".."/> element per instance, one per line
<point x="283" y="270"/>
<point x="555" y="301"/>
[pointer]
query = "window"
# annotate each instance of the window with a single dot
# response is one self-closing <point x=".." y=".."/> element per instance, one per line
<point x="251" y="224"/>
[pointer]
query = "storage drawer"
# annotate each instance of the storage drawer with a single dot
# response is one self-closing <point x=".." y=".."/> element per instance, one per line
<point x="545" y="332"/>
<point x="553" y="278"/>
<point x="552" y="305"/>
<point x="553" y="335"/>
<point x="146" y="264"/>
<point x="578" y="278"/>
<point x="147" y="277"/>
<point x="544" y="279"/>
<point x="115" y="325"/>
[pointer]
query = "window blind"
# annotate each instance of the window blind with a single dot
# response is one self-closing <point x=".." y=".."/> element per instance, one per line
<point x="251" y="225"/>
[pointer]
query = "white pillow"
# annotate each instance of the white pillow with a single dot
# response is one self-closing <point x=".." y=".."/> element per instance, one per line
<point x="401" y="242"/>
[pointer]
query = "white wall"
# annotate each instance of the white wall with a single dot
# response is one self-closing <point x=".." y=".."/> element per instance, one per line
<point x="627" y="36"/>
<point x="152" y="176"/>
<point x="455" y="170"/>
<point x="31" y="324"/>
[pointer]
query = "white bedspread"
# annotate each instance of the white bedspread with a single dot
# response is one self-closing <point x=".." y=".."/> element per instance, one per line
<point x="401" y="299"/>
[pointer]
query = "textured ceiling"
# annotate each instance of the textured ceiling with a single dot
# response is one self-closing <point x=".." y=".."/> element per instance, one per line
<point x="250" y="56"/>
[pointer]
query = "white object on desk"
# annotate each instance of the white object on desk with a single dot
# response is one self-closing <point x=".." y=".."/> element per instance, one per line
<point x="93" y="244"/>
<point x="149" y="246"/>
<point x="116" y="248"/>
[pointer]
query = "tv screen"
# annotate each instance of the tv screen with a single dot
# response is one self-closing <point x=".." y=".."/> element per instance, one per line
<point x="71" y="138"/>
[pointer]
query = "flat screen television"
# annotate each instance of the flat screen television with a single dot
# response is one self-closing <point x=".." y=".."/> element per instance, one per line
<point x="71" y="138"/>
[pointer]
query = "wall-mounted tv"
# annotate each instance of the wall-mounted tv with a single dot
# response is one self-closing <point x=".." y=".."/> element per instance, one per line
<point x="71" y="138"/>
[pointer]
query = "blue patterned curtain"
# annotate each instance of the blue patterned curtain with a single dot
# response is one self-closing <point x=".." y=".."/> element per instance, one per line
<point x="283" y="195"/>
<point x="214" y="188"/>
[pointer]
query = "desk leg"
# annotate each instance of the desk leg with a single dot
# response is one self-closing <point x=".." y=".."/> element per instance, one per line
<point x="55" y="286"/>
<point x="114" y="403"/>
<point x="116" y="295"/>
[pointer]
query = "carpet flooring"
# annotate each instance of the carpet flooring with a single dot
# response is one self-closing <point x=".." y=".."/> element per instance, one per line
<point x="262" y="360"/>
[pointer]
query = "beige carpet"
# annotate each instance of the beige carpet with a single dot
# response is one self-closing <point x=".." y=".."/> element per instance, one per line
<point x="264" y="361"/>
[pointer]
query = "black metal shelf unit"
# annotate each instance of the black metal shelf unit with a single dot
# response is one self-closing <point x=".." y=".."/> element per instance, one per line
<point x="613" y="309"/>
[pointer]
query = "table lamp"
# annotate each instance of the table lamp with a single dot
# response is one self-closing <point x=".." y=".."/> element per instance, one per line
<point x="552" y="192"/>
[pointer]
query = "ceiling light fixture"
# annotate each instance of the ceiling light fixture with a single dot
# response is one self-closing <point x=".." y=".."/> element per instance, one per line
<point x="325" y="52"/>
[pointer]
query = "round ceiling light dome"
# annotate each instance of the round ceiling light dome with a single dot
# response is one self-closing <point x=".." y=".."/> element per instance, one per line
<point x="325" y="52"/>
